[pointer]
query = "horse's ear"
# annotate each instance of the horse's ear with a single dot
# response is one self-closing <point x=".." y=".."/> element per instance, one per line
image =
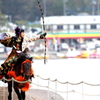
<point x="31" y="58"/>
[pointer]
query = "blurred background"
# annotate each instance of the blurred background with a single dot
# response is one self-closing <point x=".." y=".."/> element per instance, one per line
<point x="71" y="25"/>
<point x="73" y="32"/>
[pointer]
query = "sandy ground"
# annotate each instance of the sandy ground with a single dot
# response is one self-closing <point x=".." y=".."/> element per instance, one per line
<point x="32" y="94"/>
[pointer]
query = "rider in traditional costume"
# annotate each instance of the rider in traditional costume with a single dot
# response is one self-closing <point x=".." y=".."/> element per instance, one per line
<point x="18" y="44"/>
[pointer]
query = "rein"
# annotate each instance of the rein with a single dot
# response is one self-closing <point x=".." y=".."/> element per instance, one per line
<point x="24" y="63"/>
<point x="43" y="29"/>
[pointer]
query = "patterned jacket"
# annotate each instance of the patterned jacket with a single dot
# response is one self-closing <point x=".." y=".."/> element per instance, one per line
<point x="19" y="44"/>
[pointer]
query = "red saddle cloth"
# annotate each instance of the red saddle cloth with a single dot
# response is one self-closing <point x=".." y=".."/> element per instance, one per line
<point x="19" y="78"/>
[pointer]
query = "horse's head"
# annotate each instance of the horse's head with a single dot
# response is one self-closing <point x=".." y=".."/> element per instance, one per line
<point x="23" y="66"/>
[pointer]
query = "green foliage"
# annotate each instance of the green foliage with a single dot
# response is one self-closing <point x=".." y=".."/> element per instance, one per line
<point x="28" y="10"/>
<point x="20" y="23"/>
<point x="57" y="7"/>
<point x="76" y="5"/>
<point x="38" y="25"/>
<point x="3" y="19"/>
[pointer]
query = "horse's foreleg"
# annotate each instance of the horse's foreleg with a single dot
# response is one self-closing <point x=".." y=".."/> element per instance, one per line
<point x="10" y="90"/>
<point x="18" y="93"/>
<point x="23" y="95"/>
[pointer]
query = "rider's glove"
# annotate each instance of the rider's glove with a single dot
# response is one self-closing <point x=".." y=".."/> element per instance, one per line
<point x="42" y="36"/>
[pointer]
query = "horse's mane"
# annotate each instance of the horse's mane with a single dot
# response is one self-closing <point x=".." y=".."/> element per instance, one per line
<point x="22" y="57"/>
<point x="18" y="67"/>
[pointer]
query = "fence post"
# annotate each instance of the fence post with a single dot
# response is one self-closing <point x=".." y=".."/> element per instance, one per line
<point x="56" y="89"/>
<point x="82" y="91"/>
<point x="67" y="91"/>
<point x="48" y="87"/>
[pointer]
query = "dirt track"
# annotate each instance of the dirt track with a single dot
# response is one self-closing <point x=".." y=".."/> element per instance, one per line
<point x="32" y="94"/>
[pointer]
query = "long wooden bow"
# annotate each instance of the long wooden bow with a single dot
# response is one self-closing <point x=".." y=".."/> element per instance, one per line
<point x="44" y="31"/>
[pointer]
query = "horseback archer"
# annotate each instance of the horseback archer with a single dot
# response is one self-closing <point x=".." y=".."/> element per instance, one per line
<point x="17" y="43"/>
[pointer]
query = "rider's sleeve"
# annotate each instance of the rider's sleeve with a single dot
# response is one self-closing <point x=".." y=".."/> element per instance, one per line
<point x="35" y="37"/>
<point x="7" y="43"/>
<point x="32" y="38"/>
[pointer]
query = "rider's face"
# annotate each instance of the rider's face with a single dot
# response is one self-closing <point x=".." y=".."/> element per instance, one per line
<point x="22" y="34"/>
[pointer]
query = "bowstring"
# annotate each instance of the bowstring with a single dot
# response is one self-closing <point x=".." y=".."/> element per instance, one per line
<point x="40" y="7"/>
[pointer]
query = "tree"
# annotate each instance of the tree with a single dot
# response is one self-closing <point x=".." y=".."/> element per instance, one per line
<point x="3" y="19"/>
<point x="76" y="5"/>
<point x="28" y="10"/>
<point x="57" y="7"/>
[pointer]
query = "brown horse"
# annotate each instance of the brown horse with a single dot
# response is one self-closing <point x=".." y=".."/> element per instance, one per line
<point x="21" y="71"/>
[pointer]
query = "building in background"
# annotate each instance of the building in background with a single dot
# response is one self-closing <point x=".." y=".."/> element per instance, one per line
<point x="72" y="29"/>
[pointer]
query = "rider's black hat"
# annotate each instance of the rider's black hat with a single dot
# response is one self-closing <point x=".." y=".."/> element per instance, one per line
<point x="18" y="31"/>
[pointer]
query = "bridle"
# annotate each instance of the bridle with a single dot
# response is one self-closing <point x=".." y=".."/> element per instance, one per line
<point x="44" y="31"/>
<point x="24" y="63"/>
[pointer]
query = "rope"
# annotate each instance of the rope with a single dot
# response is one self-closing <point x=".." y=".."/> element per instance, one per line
<point x="43" y="29"/>
<point x="91" y="84"/>
<point x="54" y="89"/>
<point x="68" y="82"/>
<point x="50" y="80"/>
<point x="87" y="94"/>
